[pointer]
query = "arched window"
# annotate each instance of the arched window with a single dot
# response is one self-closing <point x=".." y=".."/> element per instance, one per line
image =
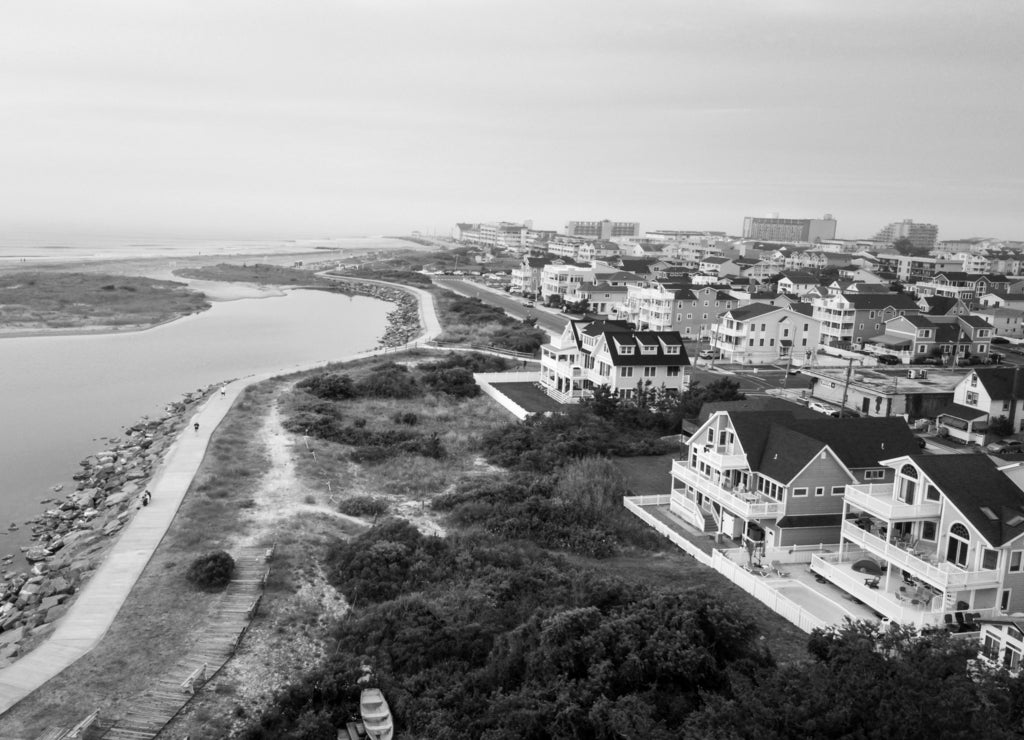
<point x="959" y="543"/>
<point x="908" y="484"/>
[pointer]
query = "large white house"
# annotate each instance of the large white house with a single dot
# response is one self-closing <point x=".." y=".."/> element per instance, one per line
<point x="942" y="545"/>
<point x="589" y="354"/>
<point x="758" y="333"/>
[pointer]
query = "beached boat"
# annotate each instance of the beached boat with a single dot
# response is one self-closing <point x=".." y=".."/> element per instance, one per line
<point x="376" y="715"/>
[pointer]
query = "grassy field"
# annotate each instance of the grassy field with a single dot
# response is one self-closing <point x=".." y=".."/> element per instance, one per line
<point x="40" y="301"/>
<point x="255" y="272"/>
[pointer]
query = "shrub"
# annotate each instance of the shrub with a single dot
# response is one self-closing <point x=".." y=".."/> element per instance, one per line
<point x="389" y="380"/>
<point x="406" y="417"/>
<point x="212" y="570"/>
<point x="331" y="386"/>
<point x="454" y="381"/>
<point x="364" y="506"/>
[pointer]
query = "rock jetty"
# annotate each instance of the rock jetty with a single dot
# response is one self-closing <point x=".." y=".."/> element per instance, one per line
<point x="71" y="537"/>
<point x="403" y="322"/>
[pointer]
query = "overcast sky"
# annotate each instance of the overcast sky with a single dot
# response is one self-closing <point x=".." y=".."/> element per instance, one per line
<point x="310" y="118"/>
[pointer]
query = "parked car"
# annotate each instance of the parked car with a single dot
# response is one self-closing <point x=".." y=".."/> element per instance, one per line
<point x="822" y="408"/>
<point x="1005" y="446"/>
<point x="969" y="360"/>
<point x="710" y="354"/>
<point x="1000" y="340"/>
<point x="994" y="358"/>
<point x="888" y="360"/>
<point x="528" y="304"/>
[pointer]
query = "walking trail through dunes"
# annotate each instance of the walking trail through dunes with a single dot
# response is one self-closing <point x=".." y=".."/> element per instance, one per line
<point x="83" y="626"/>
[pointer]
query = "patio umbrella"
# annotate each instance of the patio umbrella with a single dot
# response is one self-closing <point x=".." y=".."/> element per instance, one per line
<point x="870" y="567"/>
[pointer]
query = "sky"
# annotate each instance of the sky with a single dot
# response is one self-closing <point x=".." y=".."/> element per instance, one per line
<point x="313" y="118"/>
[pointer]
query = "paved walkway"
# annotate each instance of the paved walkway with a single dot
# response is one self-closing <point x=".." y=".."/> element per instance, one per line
<point x="97" y="604"/>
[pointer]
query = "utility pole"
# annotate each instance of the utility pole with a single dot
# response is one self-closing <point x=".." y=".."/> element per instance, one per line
<point x="846" y="388"/>
<point x="714" y="345"/>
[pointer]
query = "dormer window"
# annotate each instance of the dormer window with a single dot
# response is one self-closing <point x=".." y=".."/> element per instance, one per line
<point x="624" y="350"/>
<point x="672" y="349"/>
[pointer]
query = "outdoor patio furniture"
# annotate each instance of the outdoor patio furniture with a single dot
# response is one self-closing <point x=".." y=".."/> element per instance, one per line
<point x="777" y="569"/>
<point x="871" y="582"/>
<point x="947" y="620"/>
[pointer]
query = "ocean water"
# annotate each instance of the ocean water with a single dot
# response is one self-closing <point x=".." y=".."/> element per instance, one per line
<point x="36" y="248"/>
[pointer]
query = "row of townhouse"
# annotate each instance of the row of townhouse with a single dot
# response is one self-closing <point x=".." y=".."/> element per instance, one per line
<point x="921" y="539"/>
<point x="960" y="285"/>
<point x="589" y="354"/>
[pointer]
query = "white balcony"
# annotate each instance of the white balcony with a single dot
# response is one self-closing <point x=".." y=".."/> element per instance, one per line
<point x="723" y="457"/>
<point x="878" y="499"/>
<point x="746" y="505"/>
<point x="939" y="573"/>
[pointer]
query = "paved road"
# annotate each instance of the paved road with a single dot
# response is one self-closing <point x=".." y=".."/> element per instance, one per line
<point x="548" y="319"/>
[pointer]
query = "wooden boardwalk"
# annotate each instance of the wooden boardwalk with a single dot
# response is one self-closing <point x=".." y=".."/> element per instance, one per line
<point x="162" y="701"/>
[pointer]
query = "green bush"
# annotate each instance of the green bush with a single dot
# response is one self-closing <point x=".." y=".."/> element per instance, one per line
<point x="364" y="506"/>
<point x="389" y="380"/>
<point x="332" y="386"/>
<point x="212" y="570"/>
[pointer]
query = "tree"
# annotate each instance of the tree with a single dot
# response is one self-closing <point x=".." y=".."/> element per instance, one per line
<point x="903" y="245"/>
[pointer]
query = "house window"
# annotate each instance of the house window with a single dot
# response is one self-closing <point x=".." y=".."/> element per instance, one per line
<point x="1004" y="600"/>
<point x="959" y="544"/>
<point x="626" y="372"/>
<point x="989" y="559"/>
<point x="762" y="327"/>
<point x="819" y="491"/>
<point x="649" y="371"/>
<point x="704" y="316"/>
<point x="928" y="530"/>
<point x="838" y="490"/>
<point x="761" y="342"/>
<point x="1015" y="560"/>
<point x="932" y="493"/>
<point x="799" y="492"/>
<point x="921" y="349"/>
<point x="689" y="315"/>
<point x="971" y="398"/>
<point x="673" y="371"/>
<point x="874" y="474"/>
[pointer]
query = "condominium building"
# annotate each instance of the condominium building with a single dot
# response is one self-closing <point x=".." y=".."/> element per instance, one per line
<point x="503" y="234"/>
<point x="910" y="269"/>
<point x="774" y="229"/>
<point x="603" y="230"/>
<point x="960" y="285"/>
<point x="922" y="236"/>
<point x="941" y="543"/>
<point x="589" y="354"/>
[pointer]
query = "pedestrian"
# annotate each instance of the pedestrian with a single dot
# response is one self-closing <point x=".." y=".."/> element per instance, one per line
<point x="145" y="498"/>
<point x="222" y="392"/>
<point x="196" y="425"/>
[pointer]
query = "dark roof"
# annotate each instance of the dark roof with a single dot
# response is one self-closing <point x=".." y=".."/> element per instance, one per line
<point x="636" y="338"/>
<point x="899" y="301"/>
<point x="958" y="411"/>
<point x="811" y="520"/>
<point x="940" y="305"/>
<point x="971" y="482"/>
<point x="871" y="288"/>
<point x="976" y="321"/>
<point x="800" y="277"/>
<point x="780" y="443"/>
<point x="538" y="261"/>
<point x="1002" y="383"/>
<point x="756" y="403"/>
<point x="803" y="308"/>
<point x="753" y="310"/>
<point x="716" y="260"/>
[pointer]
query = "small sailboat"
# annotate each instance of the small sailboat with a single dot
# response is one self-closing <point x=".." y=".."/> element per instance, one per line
<point x="376" y="715"/>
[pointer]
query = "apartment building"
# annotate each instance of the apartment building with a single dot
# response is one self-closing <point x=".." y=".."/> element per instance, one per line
<point x="558" y="279"/>
<point x="851" y="318"/>
<point x="682" y="307"/>
<point x="525" y="278"/>
<point x="603" y="230"/>
<point x="500" y="235"/>
<point x="940" y="544"/>
<point x="589" y="354"/>
<point x="775" y="229"/>
<point x="910" y="269"/>
<point x="922" y="236"/>
<point x="776" y="479"/>
<point x="758" y="333"/>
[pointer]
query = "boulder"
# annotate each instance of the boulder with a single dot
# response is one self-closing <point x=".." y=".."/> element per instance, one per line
<point x="54" y="613"/>
<point x="8" y="637"/>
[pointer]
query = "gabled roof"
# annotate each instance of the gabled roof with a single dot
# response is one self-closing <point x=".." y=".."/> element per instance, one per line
<point x="972" y="483"/>
<point x="658" y="339"/>
<point x="779" y="444"/>
<point x="940" y="305"/>
<point x="976" y="321"/>
<point x="716" y="260"/>
<point x="1001" y="383"/>
<point x="753" y="310"/>
<point x="899" y="301"/>
<point x="803" y="278"/>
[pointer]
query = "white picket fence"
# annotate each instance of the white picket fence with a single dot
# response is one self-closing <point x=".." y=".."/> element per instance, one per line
<point x="484" y="380"/>
<point x="759" y="588"/>
<point x="636" y="503"/>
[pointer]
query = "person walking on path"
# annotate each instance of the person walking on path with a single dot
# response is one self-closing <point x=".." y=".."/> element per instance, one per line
<point x="196" y="425"/>
<point x="222" y="391"/>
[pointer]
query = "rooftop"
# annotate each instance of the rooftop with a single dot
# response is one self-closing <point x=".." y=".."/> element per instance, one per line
<point x="892" y="382"/>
